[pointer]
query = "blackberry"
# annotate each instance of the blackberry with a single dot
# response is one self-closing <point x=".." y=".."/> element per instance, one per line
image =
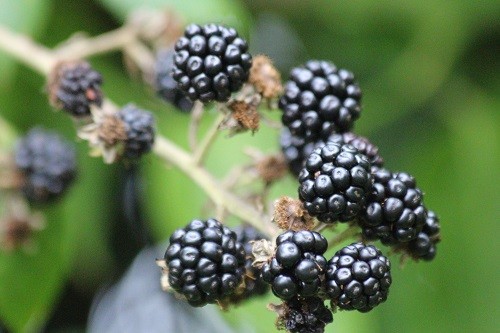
<point x="47" y="163"/>
<point x="394" y="212"/>
<point x="254" y="285"/>
<point x="74" y="87"/>
<point x="211" y="62"/>
<point x="298" y="264"/>
<point x="305" y="315"/>
<point x="424" y="246"/>
<point x="335" y="182"/>
<point x="166" y="86"/>
<point x="362" y="144"/>
<point x="205" y="262"/>
<point x="140" y="128"/>
<point x="320" y="99"/>
<point x="358" y="277"/>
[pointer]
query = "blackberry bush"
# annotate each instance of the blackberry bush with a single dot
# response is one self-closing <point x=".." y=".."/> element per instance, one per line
<point x="298" y="264"/>
<point x="320" y="99"/>
<point x="211" y="62"/>
<point x="47" y="163"/>
<point x="205" y="262"/>
<point x="395" y="212"/>
<point x="358" y="277"/>
<point x="335" y="182"/>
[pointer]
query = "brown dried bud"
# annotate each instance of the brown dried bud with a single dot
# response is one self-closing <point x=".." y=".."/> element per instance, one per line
<point x="271" y="168"/>
<point x="245" y="114"/>
<point x="112" y="130"/>
<point x="265" y="77"/>
<point x="289" y="214"/>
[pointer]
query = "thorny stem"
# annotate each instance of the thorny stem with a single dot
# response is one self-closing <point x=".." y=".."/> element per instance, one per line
<point x="43" y="59"/>
<point x="209" y="138"/>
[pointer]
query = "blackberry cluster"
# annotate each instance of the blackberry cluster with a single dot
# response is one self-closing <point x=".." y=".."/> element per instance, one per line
<point x="306" y="315"/>
<point x="335" y="182"/>
<point x="254" y="285"/>
<point x="205" y="262"/>
<point x="47" y="163"/>
<point x="358" y="277"/>
<point x="75" y="86"/>
<point x="211" y="62"/>
<point x="298" y="263"/>
<point x="362" y="144"/>
<point x="140" y="128"/>
<point x="320" y="99"/>
<point x="166" y="86"/>
<point x="394" y="213"/>
<point x="424" y="246"/>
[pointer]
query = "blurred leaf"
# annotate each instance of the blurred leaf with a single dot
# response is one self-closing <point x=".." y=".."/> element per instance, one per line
<point x="219" y="11"/>
<point x="28" y="16"/>
<point x="29" y="283"/>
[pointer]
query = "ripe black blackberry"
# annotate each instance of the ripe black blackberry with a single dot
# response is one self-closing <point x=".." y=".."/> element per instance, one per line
<point x="74" y="87"/>
<point x="140" y="129"/>
<point x="254" y="285"/>
<point x="205" y="262"/>
<point x="47" y="163"/>
<point x="362" y="144"/>
<point x="166" y="86"/>
<point x="320" y="99"/>
<point x="394" y="212"/>
<point x="298" y="264"/>
<point x="211" y="62"/>
<point x="424" y="246"/>
<point x="358" y="278"/>
<point x="335" y="182"/>
<point x="305" y="315"/>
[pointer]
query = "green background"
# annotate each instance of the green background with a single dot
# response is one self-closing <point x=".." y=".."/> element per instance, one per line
<point x="429" y="71"/>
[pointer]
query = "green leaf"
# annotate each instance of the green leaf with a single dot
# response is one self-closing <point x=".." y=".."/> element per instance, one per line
<point x="220" y="11"/>
<point x="27" y="16"/>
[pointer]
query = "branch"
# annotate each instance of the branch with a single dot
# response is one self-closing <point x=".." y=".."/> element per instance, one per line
<point x="43" y="60"/>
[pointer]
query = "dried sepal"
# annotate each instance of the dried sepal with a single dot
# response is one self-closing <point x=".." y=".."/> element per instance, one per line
<point x="262" y="250"/>
<point x="165" y="285"/>
<point x="289" y="214"/>
<point x="265" y="77"/>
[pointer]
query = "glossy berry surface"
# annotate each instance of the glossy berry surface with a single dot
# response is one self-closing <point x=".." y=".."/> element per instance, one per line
<point x="211" y="62"/>
<point x="335" y="182"/>
<point x="320" y="99"/>
<point x="424" y="246"/>
<point x="298" y="264"/>
<point x="47" y="163"/>
<point x="395" y="212"/>
<point x="362" y="144"/>
<point x="205" y="262"/>
<point x="140" y="131"/>
<point x="166" y="86"/>
<point x="358" y="277"/>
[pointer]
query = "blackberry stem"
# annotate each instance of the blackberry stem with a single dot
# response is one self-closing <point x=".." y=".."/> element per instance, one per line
<point x="209" y="138"/>
<point x="351" y="231"/>
<point x="196" y="115"/>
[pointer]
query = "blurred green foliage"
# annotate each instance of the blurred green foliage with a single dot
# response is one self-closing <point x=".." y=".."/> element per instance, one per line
<point x="429" y="73"/>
